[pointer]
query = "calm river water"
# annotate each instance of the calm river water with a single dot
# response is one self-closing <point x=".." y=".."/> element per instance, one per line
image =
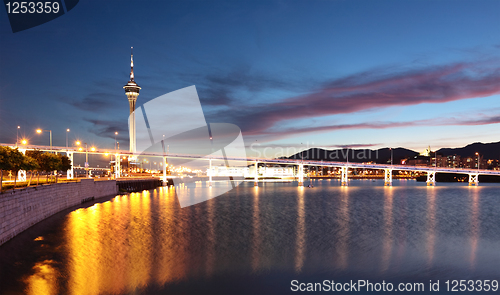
<point x="257" y="240"/>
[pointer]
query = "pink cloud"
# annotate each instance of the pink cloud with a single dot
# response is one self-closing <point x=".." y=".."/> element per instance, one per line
<point x="373" y="90"/>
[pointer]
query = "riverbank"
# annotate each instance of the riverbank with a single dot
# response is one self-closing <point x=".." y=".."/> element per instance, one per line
<point x="22" y="208"/>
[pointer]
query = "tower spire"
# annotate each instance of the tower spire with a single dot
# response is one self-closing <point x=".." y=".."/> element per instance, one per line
<point x="131" y="63"/>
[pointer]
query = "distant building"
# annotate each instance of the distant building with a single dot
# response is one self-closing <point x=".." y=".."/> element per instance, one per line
<point x="418" y="161"/>
<point x="454" y="161"/>
<point x="441" y="161"/>
<point x="472" y="162"/>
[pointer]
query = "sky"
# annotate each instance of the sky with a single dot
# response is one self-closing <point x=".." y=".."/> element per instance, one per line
<point x="293" y="74"/>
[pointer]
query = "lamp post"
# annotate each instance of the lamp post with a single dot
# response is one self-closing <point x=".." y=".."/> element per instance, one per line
<point x="67" y="131"/>
<point x="391" y="155"/>
<point x="116" y="133"/>
<point x="477" y="154"/>
<point x="39" y="131"/>
<point x="17" y="136"/>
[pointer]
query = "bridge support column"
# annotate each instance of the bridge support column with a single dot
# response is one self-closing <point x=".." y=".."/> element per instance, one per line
<point x="301" y="175"/>
<point x="388" y="177"/>
<point x="164" y="159"/>
<point x="256" y="175"/>
<point x="118" y="167"/>
<point x="210" y="173"/>
<point x="344" y="180"/>
<point x="431" y="178"/>
<point x="474" y="179"/>
<point x="69" y="173"/>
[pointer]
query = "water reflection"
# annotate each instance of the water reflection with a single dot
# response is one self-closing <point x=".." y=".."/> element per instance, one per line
<point x="388" y="239"/>
<point x="343" y="234"/>
<point x="431" y="225"/>
<point x="42" y="281"/>
<point x="145" y="240"/>
<point x="211" y="239"/>
<point x="475" y="211"/>
<point x="301" y="230"/>
<point x="256" y="239"/>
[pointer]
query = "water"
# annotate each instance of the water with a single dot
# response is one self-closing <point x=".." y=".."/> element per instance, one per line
<point x="257" y="240"/>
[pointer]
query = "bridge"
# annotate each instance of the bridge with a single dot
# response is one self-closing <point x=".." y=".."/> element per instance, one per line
<point x="343" y="166"/>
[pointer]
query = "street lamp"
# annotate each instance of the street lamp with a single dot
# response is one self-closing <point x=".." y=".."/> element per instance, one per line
<point x="39" y="131"/>
<point x="477" y="154"/>
<point x="24" y="141"/>
<point x="17" y="137"/>
<point x="116" y="133"/>
<point x="67" y="131"/>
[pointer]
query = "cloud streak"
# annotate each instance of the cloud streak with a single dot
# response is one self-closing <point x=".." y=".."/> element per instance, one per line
<point x="370" y="90"/>
<point x="383" y="125"/>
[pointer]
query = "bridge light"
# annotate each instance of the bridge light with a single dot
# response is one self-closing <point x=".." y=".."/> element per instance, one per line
<point x="80" y="149"/>
<point x="39" y="131"/>
<point x="92" y="149"/>
<point x="77" y="142"/>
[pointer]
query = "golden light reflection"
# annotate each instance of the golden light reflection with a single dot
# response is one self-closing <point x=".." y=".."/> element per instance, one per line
<point x="171" y="245"/>
<point x="110" y="245"/>
<point x="301" y="231"/>
<point x="475" y="224"/>
<point x="257" y="239"/>
<point x="431" y="225"/>
<point x="343" y="249"/>
<point x="83" y="251"/>
<point x="44" y="280"/>
<point x="388" y="239"/>
<point x="139" y="239"/>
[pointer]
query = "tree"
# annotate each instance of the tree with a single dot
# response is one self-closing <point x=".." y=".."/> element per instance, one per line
<point x="49" y="162"/>
<point x="30" y="164"/>
<point x="65" y="163"/>
<point x="5" y="163"/>
<point x="36" y="154"/>
<point x="16" y="159"/>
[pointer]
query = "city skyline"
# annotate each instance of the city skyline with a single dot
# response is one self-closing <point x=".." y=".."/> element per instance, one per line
<point x="359" y="74"/>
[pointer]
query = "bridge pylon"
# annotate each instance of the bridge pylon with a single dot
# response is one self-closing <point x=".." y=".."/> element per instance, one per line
<point x="474" y="179"/>
<point x="344" y="181"/>
<point x="388" y="177"/>
<point x="301" y="175"/>
<point x="164" y="164"/>
<point x="256" y="175"/>
<point x="210" y="173"/>
<point x="431" y="178"/>
<point x="70" y="173"/>
<point x="117" y="166"/>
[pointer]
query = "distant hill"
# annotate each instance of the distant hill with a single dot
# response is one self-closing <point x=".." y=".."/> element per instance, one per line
<point x="486" y="150"/>
<point x="380" y="156"/>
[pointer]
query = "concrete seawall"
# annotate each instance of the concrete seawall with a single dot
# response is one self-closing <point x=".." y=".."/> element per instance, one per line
<point x="22" y="208"/>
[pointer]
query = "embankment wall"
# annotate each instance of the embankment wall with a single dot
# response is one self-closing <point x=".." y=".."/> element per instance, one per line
<point x="22" y="208"/>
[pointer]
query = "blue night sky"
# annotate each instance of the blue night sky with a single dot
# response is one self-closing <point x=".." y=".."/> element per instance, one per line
<point x="321" y="73"/>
